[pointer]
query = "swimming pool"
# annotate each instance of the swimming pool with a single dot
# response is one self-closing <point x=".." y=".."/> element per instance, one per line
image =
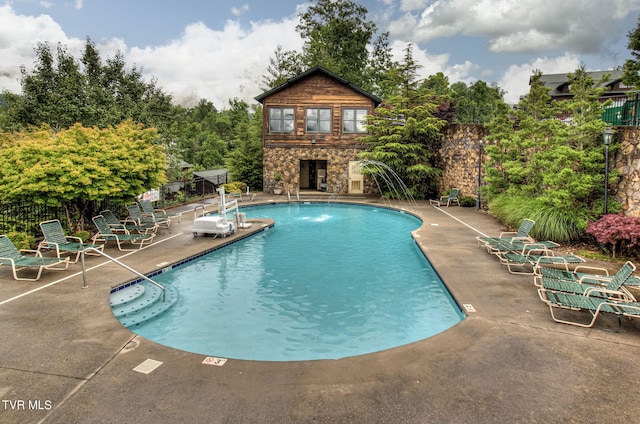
<point x="327" y="281"/>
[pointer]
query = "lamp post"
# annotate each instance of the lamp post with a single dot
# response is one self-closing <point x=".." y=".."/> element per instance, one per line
<point x="480" y="143"/>
<point x="607" y="135"/>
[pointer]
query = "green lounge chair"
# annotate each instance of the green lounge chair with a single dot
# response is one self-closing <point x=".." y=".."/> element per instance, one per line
<point x="105" y="234"/>
<point x="580" y="282"/>
<point x="55" y="239"/>
<point x="522" y="234"/>
<point x="524" y="247"/>
<point x="449" y="200"/>
<point x="147" y="208"/>
<point x="136" y="216"/>
<point x="530" y="262"/>
<point x="593" y="302"/>
<point x="126" y="227"/>
<point x="11" y="256"/>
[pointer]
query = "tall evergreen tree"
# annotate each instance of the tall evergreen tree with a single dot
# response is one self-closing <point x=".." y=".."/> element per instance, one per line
<point x="631" y="68"/>
<point x="548" y="155"/>
<point x="404" y="131"/>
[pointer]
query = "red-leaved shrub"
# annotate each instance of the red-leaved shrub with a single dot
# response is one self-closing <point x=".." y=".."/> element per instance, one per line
<point x="619" y="231"/>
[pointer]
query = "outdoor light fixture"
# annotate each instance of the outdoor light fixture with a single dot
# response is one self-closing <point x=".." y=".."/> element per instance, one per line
<point x="607" y="136"/>
<point x="480" y="143"/>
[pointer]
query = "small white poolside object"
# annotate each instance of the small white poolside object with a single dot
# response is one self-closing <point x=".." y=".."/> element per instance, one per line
<point x="218" y="225"/>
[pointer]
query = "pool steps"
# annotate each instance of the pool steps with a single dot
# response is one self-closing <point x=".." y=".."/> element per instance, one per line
<point x="140" y="302"/>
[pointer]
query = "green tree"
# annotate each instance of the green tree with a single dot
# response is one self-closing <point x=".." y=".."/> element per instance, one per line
<point x="284" y="64"/>
<point x="477" y="103"/>
<point x="631" y="68"/>
<point x="75" y="166"/>
<point x="549" y="154"/>
<point x="404" y="133"/>
<point x="336" y="34"/>
<point x="61" y="91"/>
<point x="244" y="161"/>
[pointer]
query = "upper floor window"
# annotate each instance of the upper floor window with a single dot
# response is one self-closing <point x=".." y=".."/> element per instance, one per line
<point x="354" y="120"/>
<point x="281" y="119"/>
<point x="319" y="120"/>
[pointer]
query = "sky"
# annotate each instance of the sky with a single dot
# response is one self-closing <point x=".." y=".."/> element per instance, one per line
<point x="219" y="49"/>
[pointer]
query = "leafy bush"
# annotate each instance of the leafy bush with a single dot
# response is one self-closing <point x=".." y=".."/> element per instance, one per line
<point x="467" y="201"/>
<point x="84" y="235"/>
<point x="620" y="232"/>
<point x="22" y="240"/>
<point x="235" y="186"/>
<point x="559" y="225"/>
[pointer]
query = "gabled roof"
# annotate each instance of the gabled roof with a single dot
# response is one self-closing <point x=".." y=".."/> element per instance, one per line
<point x="214" y="176"/>
<point x="312" y="71"/>
<point x="557" y="82"/>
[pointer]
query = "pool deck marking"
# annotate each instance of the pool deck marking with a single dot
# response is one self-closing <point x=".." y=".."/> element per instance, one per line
<point x="461" y="222"/>
<point x="469" y="307"/>
<point x="53" y="283"/>
<point x="148" y="366"/>
<point x="211" y="360"/>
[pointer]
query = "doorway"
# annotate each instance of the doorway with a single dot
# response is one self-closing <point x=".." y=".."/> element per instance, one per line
<point x="313" y="175"/>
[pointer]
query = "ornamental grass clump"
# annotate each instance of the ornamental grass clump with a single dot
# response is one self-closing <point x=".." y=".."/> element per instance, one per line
<point x="621" y="233"/>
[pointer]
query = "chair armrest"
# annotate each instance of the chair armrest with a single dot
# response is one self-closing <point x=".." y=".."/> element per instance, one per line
<point x="34" y="252"/>
<point x="591" y="269"/>
<point x="74" y="239"/>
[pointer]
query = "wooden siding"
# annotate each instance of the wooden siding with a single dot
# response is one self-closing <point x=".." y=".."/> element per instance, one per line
<point x="316" y="91"/>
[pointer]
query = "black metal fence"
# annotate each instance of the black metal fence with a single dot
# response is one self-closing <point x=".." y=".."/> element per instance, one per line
<point x="25" y="217"/>
<point x="623" y="111"/>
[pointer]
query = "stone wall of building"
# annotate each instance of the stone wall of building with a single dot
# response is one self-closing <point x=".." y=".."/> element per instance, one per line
<point x="627" y="162"/>
<point x="286" y="162"/>
<point x="459" y="157"/>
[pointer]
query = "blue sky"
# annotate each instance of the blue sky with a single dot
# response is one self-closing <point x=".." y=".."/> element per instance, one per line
<point x="218" y="50"/>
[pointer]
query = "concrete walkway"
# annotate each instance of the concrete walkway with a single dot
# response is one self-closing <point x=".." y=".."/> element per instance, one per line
<point x="64" y="358"/>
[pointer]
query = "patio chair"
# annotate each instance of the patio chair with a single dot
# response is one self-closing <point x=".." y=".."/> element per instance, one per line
<point x="591" y="302"/>
<point x="530" y="262"/>
<point x="136" y="216"/>
<point x="448" y="200"/>
<point x="580" y="282"/>
<point x="119" y="226"/>
<point x="11" y="256"/>
<point x="147" y="208"/>
<point x="55" y="239"/>
<point x="105" y="234"/>
<point x="509" y="236"/>
<point x="524" y="247"/>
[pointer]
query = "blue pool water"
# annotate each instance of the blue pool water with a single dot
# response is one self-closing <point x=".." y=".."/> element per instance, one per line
<point x="327" y="281"/>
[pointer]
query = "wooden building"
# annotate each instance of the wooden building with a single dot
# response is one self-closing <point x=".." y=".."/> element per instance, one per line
<point x="310" y="133"/>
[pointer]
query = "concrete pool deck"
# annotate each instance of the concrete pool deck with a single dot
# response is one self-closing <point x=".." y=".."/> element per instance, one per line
<point x="64" y="358"/>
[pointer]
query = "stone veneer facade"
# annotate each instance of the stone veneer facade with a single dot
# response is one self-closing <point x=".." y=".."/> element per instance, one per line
<point x="627" y="162"/>
<point x="459" y="157"/>
<point x="286" y="162"/>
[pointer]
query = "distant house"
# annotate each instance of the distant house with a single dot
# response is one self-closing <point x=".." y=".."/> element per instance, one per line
<point x="624" y="107"/>
<point x="310" y="134"/>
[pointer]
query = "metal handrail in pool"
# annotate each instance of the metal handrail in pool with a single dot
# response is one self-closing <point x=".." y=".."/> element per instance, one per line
<point x="114" y="260"/>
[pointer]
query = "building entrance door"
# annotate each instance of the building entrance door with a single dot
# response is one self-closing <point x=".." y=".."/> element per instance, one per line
<point x="313" y="175"/>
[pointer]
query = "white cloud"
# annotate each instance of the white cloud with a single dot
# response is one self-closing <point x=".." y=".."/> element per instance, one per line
<point x="516" y="79"/>
<point x="79" y="4"/>
<point x="202" y="63"/>
<point x="580" y="26"/>
<point x="237" y="11"/>
<point x="216" y="65"/>
<point x="19" y="36"/>
<point x="432" y="64"/>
